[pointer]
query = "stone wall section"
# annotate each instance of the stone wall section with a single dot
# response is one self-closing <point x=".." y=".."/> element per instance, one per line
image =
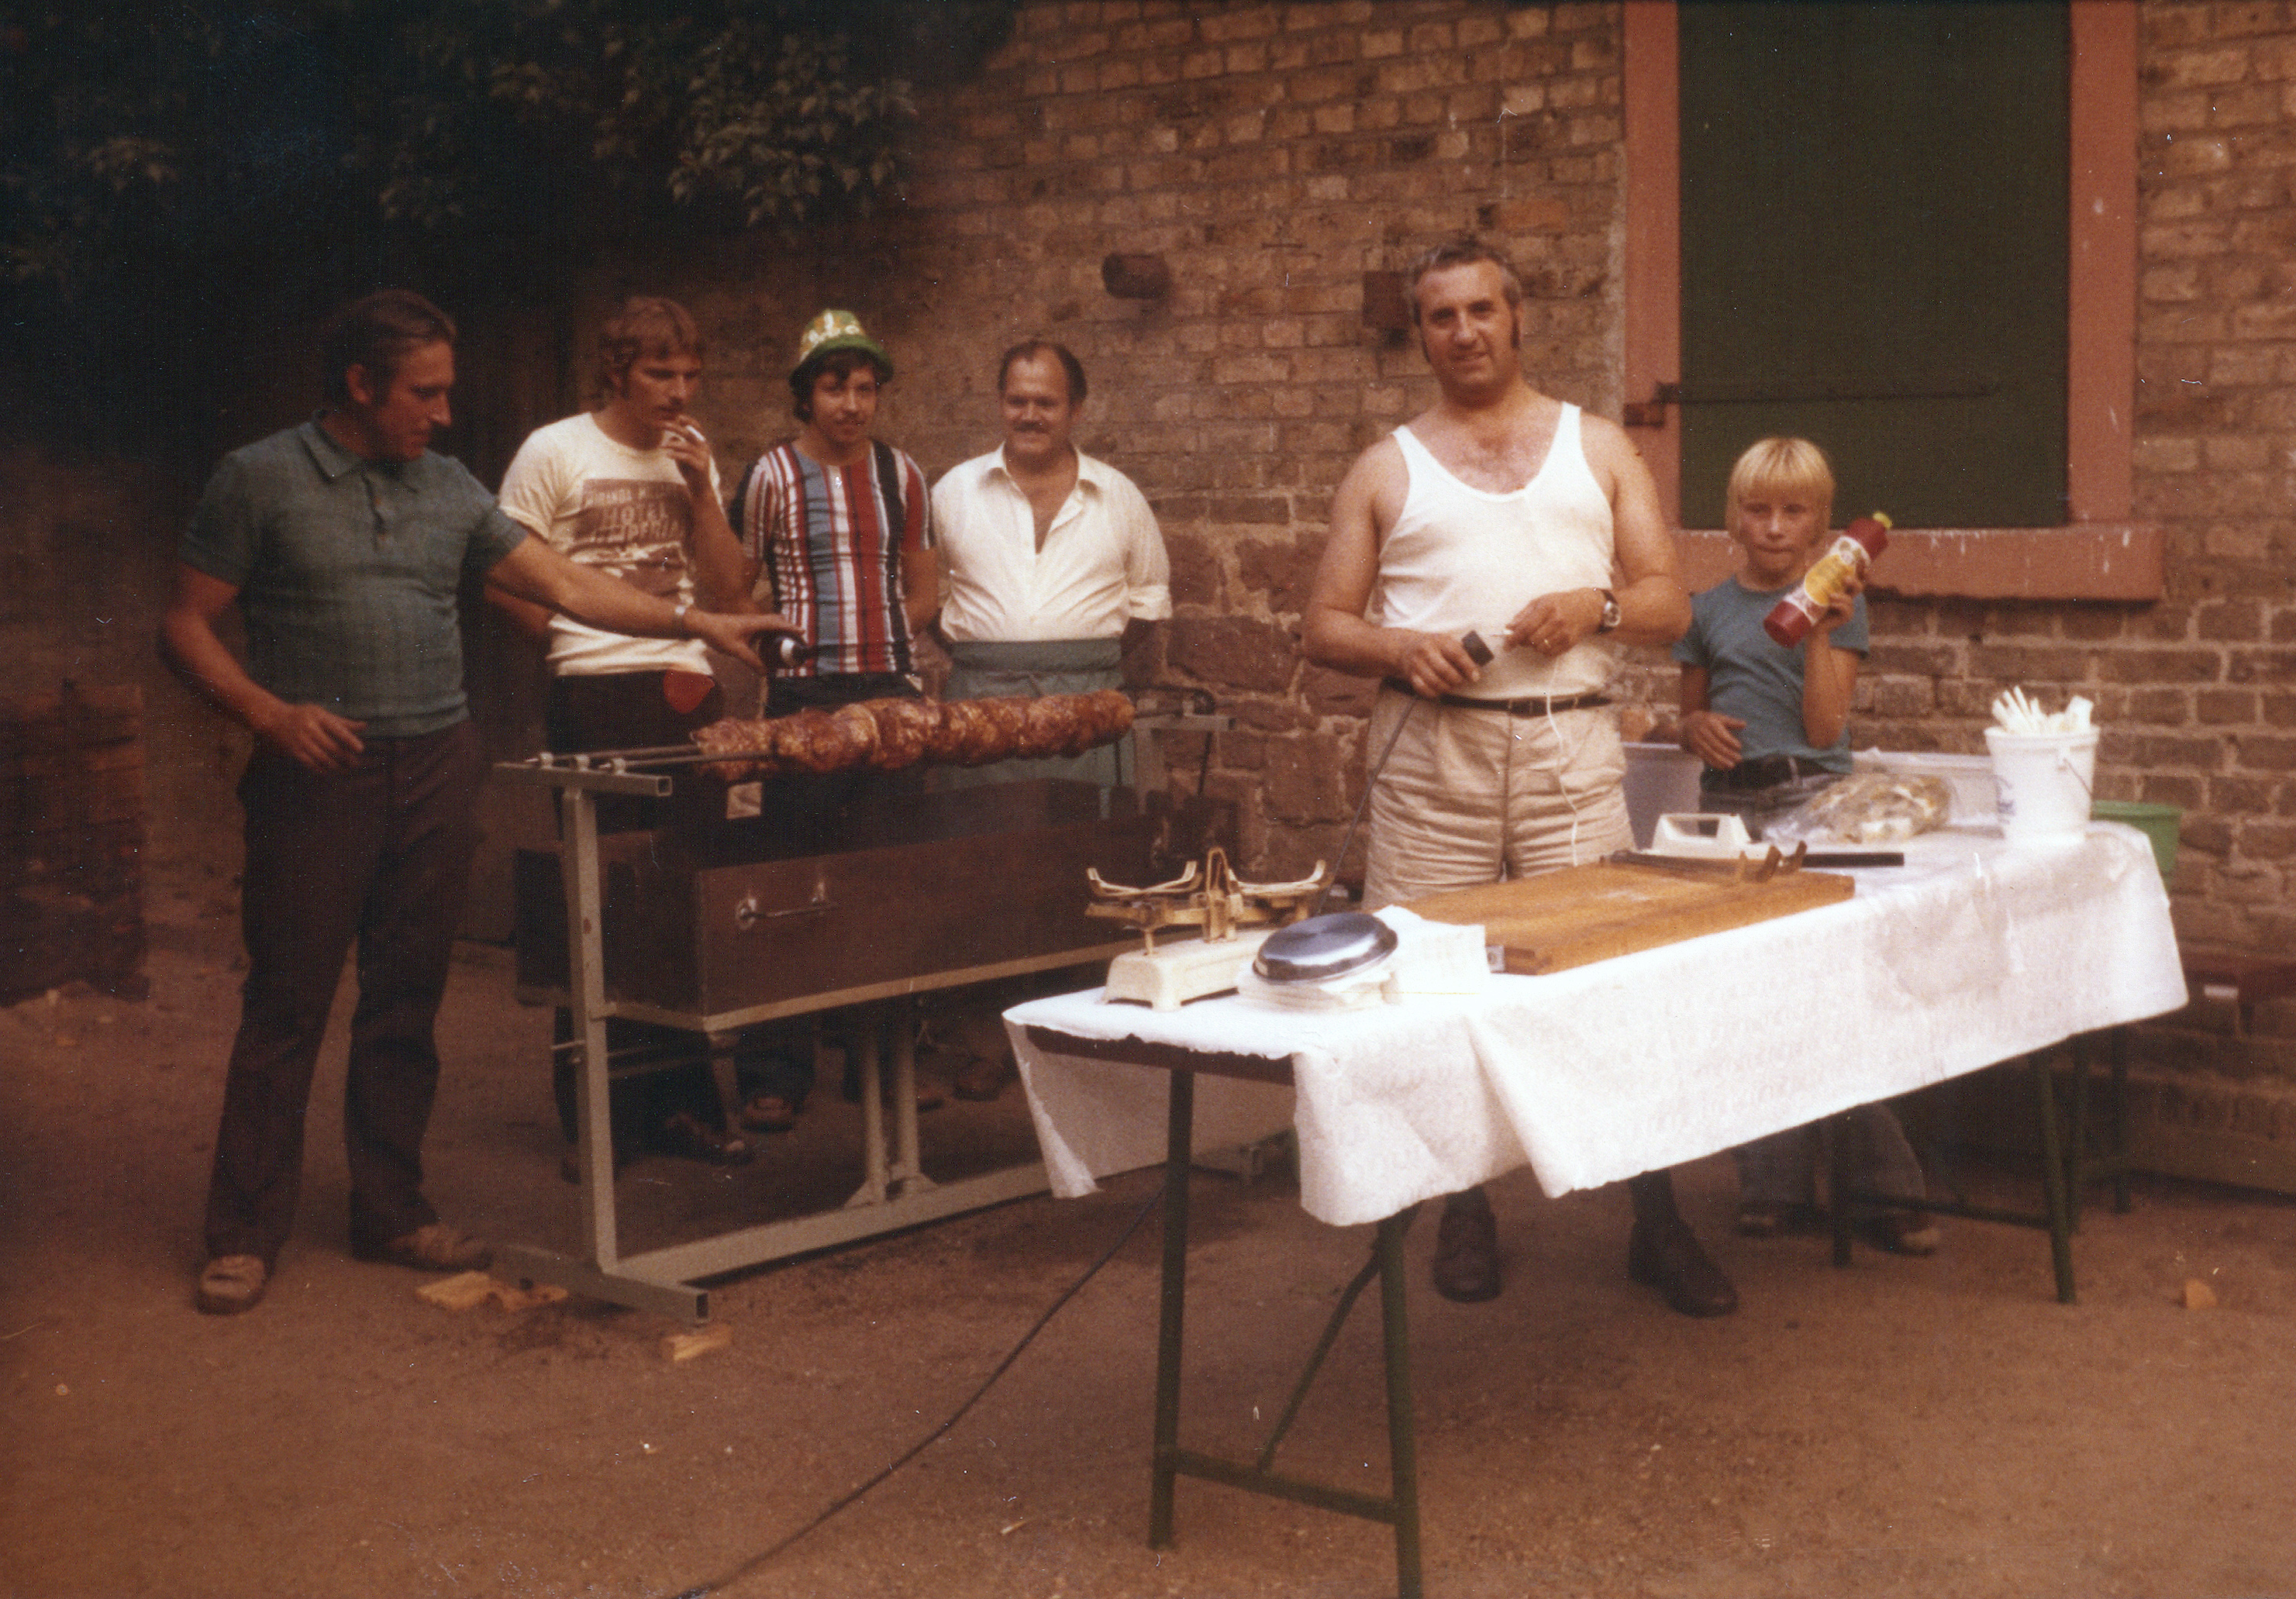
<point x="2209" y="675"/>
<point x="2198" y="691"/>
<point x="1271" y="155"/>
<point x="1274" y="154"/>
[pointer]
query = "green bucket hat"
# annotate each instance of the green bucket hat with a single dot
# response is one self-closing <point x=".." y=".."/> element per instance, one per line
<point x="835" y="330"/>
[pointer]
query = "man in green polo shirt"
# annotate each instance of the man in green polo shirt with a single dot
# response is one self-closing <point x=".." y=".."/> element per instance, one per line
<point x="344" y="542"/>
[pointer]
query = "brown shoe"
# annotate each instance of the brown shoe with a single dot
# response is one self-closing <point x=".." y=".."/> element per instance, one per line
<point x="1760" y="1221"/>
<point x="768" y="1113"/>
<point x="687" y="1135"/>
<point x="436" y="1247"/>
<point x="1776" y="1221"/>
<point x="230" y="1284"/>
<point x="1907" y="1232"/>
<point x="1467" y="1248"/>
<point x="1670" y="1258"/>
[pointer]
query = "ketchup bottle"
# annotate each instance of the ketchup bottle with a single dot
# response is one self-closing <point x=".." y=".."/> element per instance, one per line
<point x="1791" y="617"/>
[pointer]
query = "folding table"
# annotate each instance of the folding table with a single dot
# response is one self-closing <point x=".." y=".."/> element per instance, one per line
<point x="1973" y="952"/>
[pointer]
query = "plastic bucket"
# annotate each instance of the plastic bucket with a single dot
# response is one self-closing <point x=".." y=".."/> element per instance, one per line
<point x="2157" y="823"/>
<point x="2043" y="781"/>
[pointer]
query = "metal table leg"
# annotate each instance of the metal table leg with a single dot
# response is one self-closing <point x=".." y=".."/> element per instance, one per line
<point x="605" y="1274"/>
<point x="1399" y="1509"/>
<point x="1180" y="1116"/>
<point x="1402" y="1424"/>
<point x="872" y="1191"/>
<point x="2053" y="1180"/>
<point x="2113" y="1160"/>
<point x="907" y="1173"/>
<point x="2056" y="1216"/>
<point x="2118" y="1045"/>
<point x="578" y="809"/>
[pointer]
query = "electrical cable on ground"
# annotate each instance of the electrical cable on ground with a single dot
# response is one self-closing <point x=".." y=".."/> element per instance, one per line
<point x="717" y="1584"/>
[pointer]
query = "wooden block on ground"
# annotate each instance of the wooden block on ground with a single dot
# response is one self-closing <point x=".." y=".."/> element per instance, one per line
<point x="458" y="1292"/>
<point x="701" y="1341"/>
<point x="527" y="1299"/>
<point x="466" y="1288"/>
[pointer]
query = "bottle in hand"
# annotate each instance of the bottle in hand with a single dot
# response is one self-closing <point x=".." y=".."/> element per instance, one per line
<point x="1791" y="617"/>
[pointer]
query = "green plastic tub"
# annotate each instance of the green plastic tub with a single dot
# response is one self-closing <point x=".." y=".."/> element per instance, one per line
<point x="2157" y="823"/>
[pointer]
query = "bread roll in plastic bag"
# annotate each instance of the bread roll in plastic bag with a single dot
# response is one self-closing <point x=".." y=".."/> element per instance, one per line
<point x="1869" y="807"/>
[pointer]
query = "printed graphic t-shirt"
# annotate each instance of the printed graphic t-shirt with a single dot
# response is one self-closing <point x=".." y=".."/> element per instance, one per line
<point x="627" y="513"/>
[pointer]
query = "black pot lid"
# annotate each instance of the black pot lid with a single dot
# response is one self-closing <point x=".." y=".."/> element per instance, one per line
<point x="1324" y="947"/>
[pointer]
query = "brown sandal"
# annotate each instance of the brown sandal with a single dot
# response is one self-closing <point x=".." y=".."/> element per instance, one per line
<point x="768" y="1113"/>
<point x="687" y="1135"/>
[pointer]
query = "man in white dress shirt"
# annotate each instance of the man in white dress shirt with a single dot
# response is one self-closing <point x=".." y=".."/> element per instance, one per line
<point x="1053" y="561"/>
<point x="1054" y="566"/>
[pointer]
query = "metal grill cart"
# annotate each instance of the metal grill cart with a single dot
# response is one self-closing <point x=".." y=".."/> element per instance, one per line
<point x="712" y="933"/>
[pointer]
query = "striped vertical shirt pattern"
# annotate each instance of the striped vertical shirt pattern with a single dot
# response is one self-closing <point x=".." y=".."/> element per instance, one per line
<point x="828" y="542"/>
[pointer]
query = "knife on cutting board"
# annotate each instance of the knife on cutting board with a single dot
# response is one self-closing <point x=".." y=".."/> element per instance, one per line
<point x="1732" y="867"/>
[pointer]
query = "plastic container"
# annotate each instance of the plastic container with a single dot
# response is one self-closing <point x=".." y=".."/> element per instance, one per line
<point x="2157" y="823"/>
<point x="1662" y="778"/>
<point x="2044" y="782"/>
<point x="1791" y="618"/>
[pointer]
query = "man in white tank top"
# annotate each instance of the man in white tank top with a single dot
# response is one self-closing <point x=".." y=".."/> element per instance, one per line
<point x="1507" y="514"/>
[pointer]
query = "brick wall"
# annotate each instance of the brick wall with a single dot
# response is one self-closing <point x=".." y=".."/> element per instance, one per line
<point x="2209" y="675"/>
<point x="1273" y="155"/>
<point x="86" y="557"/>
<point x="2198" y="691"/>
<point x="71" y="840"/>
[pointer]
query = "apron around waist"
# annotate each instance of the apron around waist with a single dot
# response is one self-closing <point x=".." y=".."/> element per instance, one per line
<point x="1052" y="666"/>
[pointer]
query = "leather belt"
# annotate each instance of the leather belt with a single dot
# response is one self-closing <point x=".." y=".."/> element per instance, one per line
<point x="1532" y="706"/>
<point x="1763" y="772"/>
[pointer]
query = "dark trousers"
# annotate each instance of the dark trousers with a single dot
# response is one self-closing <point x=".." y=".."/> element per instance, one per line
<point x="378" y="854"/>
<point x="806" y="807"/>
<point x="776" y="1057"/>
<point x="631" y="711"/>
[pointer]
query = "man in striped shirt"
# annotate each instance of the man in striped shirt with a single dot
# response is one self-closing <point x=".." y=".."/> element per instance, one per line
<point x="838" y="527"/>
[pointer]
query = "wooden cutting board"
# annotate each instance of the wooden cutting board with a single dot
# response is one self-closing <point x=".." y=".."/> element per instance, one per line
<point x="1586" y="913"/>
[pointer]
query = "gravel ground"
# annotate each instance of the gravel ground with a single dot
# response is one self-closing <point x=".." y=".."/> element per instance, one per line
<point x="1937" y="1427"/>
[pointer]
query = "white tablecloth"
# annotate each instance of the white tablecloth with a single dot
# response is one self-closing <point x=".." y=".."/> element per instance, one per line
<point x="1974" y="952"/>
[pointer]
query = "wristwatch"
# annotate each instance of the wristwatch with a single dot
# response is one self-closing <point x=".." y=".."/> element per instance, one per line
<point x="1609" y="611"/>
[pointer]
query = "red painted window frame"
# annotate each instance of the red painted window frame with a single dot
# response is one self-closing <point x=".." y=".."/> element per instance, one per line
<point x="2099" y="552"/>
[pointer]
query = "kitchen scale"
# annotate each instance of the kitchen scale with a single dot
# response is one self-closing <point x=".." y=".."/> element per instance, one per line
<point x="1235" y="918"/>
